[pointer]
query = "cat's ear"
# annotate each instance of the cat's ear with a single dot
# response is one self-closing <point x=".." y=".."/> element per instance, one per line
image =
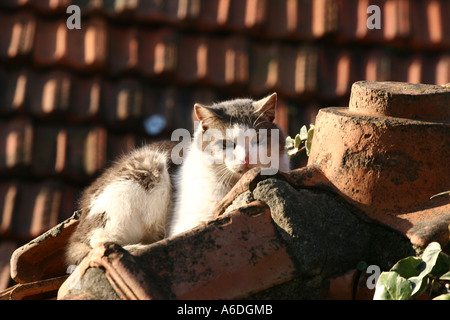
<point x="204" y="113"/>
<point x="266" y="107"/>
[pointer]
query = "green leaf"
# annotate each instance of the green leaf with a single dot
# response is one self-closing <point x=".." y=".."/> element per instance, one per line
<point x="289" y="143"/>
<point x="445" y="296"/>
<point x="297" y="141"/>
<point x="429" y="258"/>
<point x="309" y="138"/>
<point x="445" y="276"/>
<point x="392" y="286"/>
<point x="407" y="267"/>
<point x="303" y="133"/>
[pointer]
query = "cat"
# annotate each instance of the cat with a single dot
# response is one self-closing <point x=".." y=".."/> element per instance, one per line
<point x="149" y="194"/>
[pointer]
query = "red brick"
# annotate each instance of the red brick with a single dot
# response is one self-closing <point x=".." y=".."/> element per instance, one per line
<point x="87" y="47"/>
<point x="6" y="250"/>
<point x="50" y="43"/>
<point x="325" y="17"/>
<point x="151" y="11"/>
<point x="244" y="15"/>
<point x="13" y="89"/>
<point x="8" y="200"/>
<point x="85" y="152"/>
<point x="84" y="48"/>
<point x="16" y="140"/>
<point x="377" y="66"/>
<point x="430" y="23"/>
<point x="264" y="68"/>
<point x="85" y="94"/>
<point x="16" y="38"/>
<point x="123" y="51"/>
<point x="122" y="102"/>
<point x="228" y="61"/>
<point x="290" y="19"/>
<point x="157" y="52"/>
<point x="337" y="72"/>
<point x="397" y="20"/>
<point x="49" y="93"/>
<point x="120" y="144"/>
<point x="51" y="6"/>
<point x="193" y="62"/>
<point x="33" y="207"/>
<point x="299" y="70"/>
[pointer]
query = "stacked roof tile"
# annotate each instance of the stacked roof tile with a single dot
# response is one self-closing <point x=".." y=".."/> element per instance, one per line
<point x="71" y="100"/>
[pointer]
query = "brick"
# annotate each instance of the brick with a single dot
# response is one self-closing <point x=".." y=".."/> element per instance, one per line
<point x="6" y="250"/>
<point x="51" y="6"/>
<point x="50" y="43"/>
<point x="290" y="19"/>
<point x="158" y="52"/>
<point x="377" y="66"/>
<point x="32" y="208"/>
<point x="228" y="61"/>
<point x="8" y="200"/>
<point x="49" y="93"/>
<point x="13" y="91"/>
<point x="397" y="20"/>
<point x="87" y="47"/>
<point x="122" y="102"/>
<point x="120" y="144"/>
<point x="298" y="70"/>
<point x="264" y="68"/>
<point x="325" y="17"/>
<point x="247" y="14"/>
<point x="85" y="152"/>
<point x="16" y="140"/>
<point x="123" y="51"/>
<point x="151" y="11"/>
<point x="442" y="69"/>
<point x="83" y="48"/>
<point x="16" y="38"/>
<point x="430" y="24"/>
<point x="74" y="152"/>
<point x="193" y="63"/>
<point x="337" y="72"/>
<point x="85" y="94"/>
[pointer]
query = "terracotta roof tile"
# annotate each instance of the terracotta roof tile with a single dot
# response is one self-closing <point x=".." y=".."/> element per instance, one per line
<point x="30" y="208"/>
<point x="6" y="250"/>
<point x="16" y="138"/>
<point x="16" y="38"/>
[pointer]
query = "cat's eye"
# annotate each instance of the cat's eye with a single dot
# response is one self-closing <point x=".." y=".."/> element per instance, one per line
<point x="228" y="144"/>
<point x="258" y="138"/>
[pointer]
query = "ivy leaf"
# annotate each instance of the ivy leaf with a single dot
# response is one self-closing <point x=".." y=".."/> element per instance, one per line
<point x="407" y="267"/>
<point x="309" y="138"/>
<point x="297" y="141"/>
<point x="392" y="286"/>
<point x="445" y="276"/>
<point x="445" y="296"/>
<point x="303" y="133"/>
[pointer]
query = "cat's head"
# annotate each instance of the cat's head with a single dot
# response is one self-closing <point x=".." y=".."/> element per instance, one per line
<point x="240" y="134"/>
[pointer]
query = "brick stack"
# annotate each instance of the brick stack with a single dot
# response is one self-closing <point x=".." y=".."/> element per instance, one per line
<point x="72" y="100"/>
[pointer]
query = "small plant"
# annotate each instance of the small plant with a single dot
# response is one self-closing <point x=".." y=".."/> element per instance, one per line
<point x="305" y="136"/>
<point x="413" y="276"/>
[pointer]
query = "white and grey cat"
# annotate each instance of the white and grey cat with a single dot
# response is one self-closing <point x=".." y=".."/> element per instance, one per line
<point x="145" y="196"/>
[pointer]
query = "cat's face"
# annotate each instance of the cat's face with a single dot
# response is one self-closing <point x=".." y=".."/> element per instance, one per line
<point x="238" y="135"/>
